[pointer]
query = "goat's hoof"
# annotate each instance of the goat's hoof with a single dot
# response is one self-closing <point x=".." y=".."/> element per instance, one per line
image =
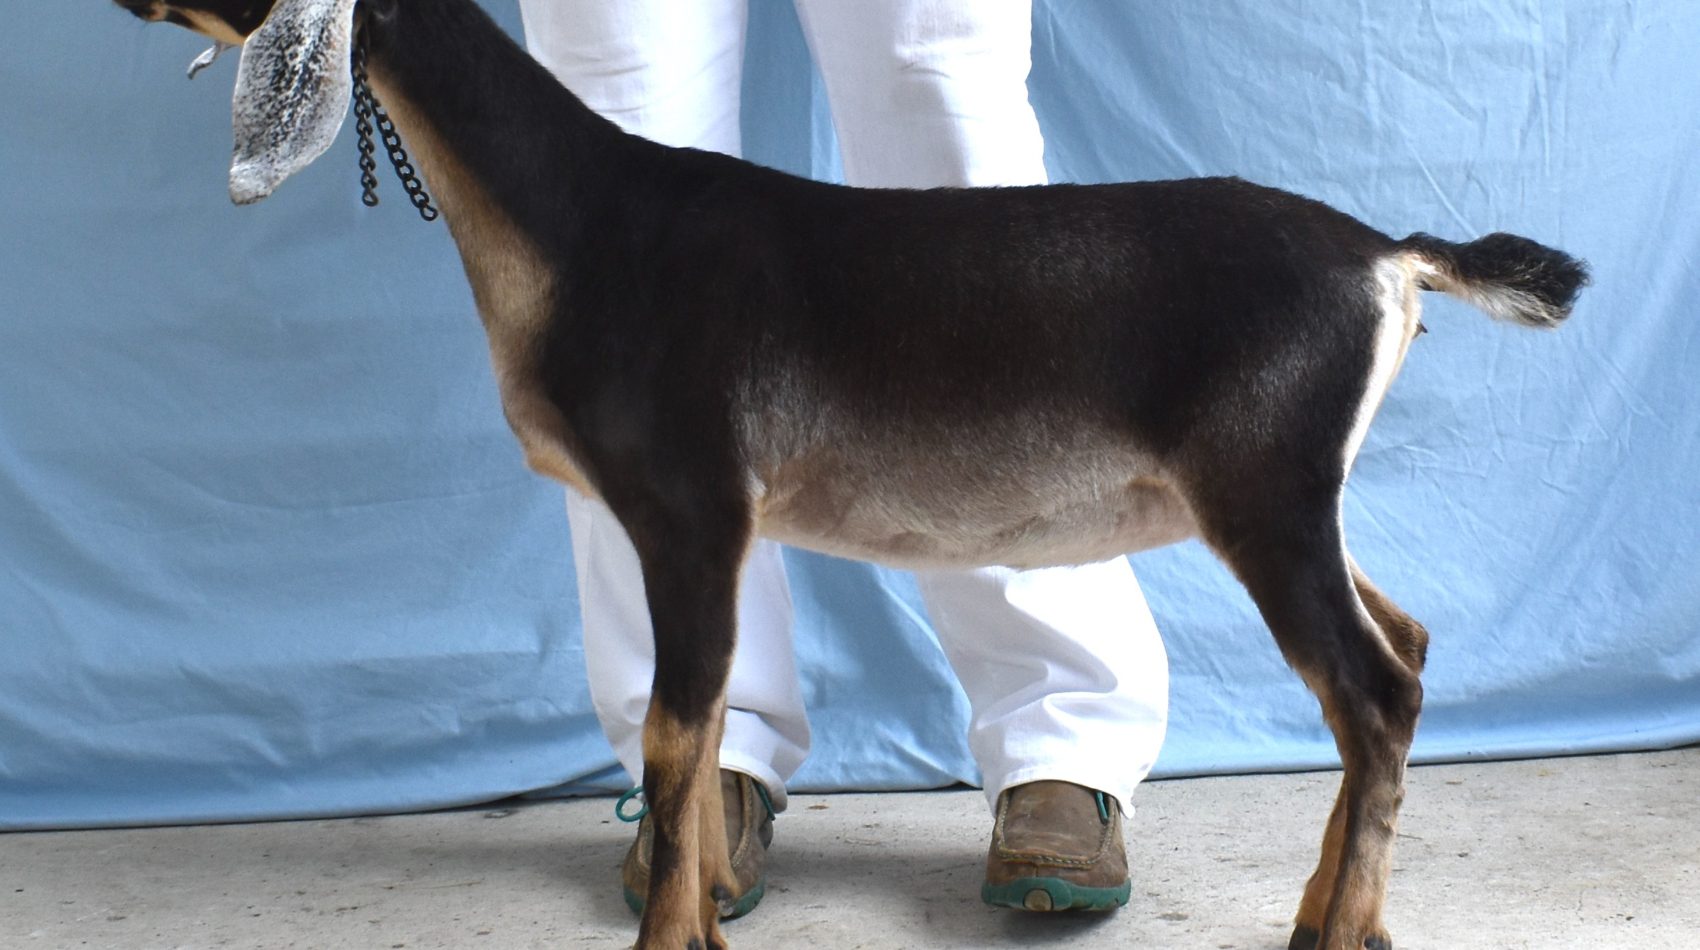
<point x="712" y="941"/>
<point x="1307" y="938"/>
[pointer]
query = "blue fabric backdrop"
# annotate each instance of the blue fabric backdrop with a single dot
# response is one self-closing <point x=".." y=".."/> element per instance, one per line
<point x="267" y="549"/>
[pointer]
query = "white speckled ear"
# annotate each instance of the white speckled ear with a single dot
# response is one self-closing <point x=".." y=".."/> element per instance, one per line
<point x="292" y="92"/>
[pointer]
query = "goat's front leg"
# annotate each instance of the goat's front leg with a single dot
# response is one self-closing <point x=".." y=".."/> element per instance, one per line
<point x="690" y="871"/>
<point x="690" y="572"/>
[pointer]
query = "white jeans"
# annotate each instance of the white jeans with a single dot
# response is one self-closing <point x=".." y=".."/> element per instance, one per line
<point x="1063" y="668"/>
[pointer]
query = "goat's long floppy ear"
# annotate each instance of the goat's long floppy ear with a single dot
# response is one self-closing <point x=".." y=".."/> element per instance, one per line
<point x="292" y="92"/>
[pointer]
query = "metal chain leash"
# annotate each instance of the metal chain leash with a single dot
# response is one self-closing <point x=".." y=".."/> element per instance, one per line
<point x="367" y="111"/>
<point x="363" y="128"/>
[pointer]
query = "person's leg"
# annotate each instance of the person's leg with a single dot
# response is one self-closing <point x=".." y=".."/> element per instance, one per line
<point x="673" y="73"/>
<point x="1068" y="683"/>
<point x="767" y="734"/>
<point x="928" y="93"/>
<point x="670" y="72"/>
<point x="1064" y="668"/>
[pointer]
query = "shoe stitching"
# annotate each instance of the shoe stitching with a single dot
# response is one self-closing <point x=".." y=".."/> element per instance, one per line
<point x="746" y="826"/>
<point x="1044" y="858"/>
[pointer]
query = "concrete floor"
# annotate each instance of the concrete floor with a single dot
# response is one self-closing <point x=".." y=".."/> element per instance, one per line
<point x="1593" y="853"/>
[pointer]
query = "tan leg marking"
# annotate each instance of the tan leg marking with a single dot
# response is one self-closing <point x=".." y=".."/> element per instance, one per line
<point x="714" y="862"/>
<point x="512" y="284"/>
<point x="1407" y="637"/>
<point x="679" y="762"/>
<point x="1319" y="890"/>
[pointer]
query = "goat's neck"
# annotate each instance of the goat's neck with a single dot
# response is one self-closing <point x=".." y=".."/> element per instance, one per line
<point x="511" y="157"/>
<point x="516" y="164"/>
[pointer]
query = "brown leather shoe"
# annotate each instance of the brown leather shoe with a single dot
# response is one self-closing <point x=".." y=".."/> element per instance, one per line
<point x="1056" y="846"/>
<point x="749" y="830"/>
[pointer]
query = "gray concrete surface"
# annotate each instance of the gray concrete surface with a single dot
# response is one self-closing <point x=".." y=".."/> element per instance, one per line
<point x="1596" y="852"/>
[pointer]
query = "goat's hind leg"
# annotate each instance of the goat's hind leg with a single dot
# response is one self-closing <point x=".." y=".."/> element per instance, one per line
<point x="690" y="578"/>
<point x="1410" y="641"/>
<point x="1328" y="622"/>
<point x="1408" y="638"/>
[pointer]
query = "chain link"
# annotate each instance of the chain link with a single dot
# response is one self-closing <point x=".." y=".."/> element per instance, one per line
<point x="363" y="128"/>
<point x="367" y="111"/>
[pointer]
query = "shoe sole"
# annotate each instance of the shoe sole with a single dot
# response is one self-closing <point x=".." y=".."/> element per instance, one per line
<point x="1052" y="894"/>
<point x="745" y="904"/>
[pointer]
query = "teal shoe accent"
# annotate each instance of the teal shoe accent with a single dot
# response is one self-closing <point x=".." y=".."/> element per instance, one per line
<point x="1049" y="893"/>
<point x="766" y="800"/>
<point x="745" y="904"/>
<point x="620" y="806"/>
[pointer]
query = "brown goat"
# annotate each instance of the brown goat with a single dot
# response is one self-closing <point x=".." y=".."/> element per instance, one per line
<point x="1021" y="376"/>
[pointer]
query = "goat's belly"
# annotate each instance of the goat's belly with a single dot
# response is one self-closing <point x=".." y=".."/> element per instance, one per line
<point x="929" y="519"/>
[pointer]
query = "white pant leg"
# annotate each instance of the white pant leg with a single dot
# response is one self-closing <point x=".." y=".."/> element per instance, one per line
<point x="767" y="731"/>
<point x="1064" y="668"/>
<point x="672" y="73"/>
<point x="927" y="93"/>
<point x="1064" y="671"/>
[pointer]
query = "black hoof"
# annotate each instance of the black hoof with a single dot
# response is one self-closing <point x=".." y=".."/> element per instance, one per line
<point x="1306" y="938"/>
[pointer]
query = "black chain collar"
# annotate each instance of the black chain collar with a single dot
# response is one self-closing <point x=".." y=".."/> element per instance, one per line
<point x="366" y="112"/>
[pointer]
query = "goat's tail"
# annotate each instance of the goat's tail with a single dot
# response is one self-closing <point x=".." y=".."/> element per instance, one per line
<point x="1508" y="277"/>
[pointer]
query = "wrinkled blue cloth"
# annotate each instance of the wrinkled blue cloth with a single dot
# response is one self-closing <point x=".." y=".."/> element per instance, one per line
<point x="268" y="550"/>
